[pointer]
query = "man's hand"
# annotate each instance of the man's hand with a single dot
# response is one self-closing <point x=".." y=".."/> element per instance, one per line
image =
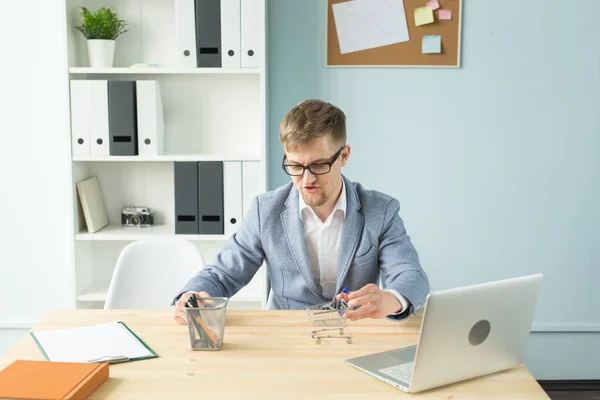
<point x="374" y="302"/>
<point x="179" y="313"/>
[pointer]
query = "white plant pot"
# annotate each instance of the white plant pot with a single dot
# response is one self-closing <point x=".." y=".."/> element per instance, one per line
<point x="101" y="53"/>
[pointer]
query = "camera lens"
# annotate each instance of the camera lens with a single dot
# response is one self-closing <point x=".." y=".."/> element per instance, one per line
<point x="135" y="220"/>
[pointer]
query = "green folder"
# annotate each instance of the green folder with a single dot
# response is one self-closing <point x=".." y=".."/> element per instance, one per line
<point x="112" y="342"/>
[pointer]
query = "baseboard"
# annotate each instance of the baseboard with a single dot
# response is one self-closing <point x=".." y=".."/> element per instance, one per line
<point x="570" y="385"/>
<point x="17" y="324"/>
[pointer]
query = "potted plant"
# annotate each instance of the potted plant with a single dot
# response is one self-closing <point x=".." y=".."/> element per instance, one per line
<point x="101" y="29"/>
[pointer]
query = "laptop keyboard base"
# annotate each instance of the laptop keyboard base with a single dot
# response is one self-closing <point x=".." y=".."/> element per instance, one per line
<point x="401" y="372"/>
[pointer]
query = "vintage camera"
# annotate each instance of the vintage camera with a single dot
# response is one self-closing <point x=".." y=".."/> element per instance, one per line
<point x="137" y="216"/>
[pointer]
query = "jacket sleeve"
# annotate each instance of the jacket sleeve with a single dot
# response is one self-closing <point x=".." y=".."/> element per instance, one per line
<point x="236" y="264"/>
<point x="399" y="262"/>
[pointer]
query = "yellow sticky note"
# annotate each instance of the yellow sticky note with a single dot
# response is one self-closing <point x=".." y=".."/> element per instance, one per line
<point x="423" y="16"/>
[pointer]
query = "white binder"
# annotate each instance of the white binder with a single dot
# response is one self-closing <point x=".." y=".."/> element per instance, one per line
<point x="150" y="119"/>
<point x="232" y="196"/>
<point x="230" y="33"/>
<point x="185" y="33"/>
<point x="250" y="183"/>
<point x="99" y="136"/>
<point x="80" y="118"/>
<point x="250" y="33"/>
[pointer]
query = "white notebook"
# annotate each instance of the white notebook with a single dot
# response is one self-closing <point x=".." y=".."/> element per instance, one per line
<point x="109" y="342"/>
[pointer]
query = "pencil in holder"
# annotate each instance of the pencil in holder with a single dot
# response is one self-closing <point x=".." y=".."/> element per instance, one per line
<point x="206" y="322"/>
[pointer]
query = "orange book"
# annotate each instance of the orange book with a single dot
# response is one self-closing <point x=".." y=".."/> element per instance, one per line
<point x="48" y="380"/>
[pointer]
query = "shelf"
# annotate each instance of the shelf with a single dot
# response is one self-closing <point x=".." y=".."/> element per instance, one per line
<point x="96" y="291"/>
<point x="118" y="232"/>
<point x="169" y="158"/>
<point x="161" y="71"/>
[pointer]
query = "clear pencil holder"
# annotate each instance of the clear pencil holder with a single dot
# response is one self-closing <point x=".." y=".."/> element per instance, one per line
<point x="206" y="322"/>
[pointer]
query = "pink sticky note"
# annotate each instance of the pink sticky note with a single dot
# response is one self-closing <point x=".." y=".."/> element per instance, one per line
<point x="433" y="4"/>
<point x="445" y="15"/>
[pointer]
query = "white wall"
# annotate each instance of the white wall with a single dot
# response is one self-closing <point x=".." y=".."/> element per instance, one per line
<point x="35" y="264"/>
<point x="8" y="337"/>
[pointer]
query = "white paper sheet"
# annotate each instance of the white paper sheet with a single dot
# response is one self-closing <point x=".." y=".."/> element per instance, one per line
<point x="366" y="24"/>
<point x="82" y="344"/>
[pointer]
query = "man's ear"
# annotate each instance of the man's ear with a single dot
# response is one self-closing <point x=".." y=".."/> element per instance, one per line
<point x="345" y="155"/>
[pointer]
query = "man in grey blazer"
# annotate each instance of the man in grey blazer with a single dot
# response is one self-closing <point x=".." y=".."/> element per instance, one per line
<point x="320" y="233"/>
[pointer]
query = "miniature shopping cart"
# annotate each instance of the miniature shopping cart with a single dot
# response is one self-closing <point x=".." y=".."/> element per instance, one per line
<point x="328" y="317"/>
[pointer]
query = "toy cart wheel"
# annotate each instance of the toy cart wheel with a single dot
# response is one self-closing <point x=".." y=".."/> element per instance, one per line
<point x="318" y="340"/>
<point x="313" y="335"/>
<point x="349" y="340"/>
<point x="341" y="331"/>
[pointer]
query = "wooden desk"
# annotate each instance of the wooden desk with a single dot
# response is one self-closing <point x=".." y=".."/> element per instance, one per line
<point x="266" y="355"/>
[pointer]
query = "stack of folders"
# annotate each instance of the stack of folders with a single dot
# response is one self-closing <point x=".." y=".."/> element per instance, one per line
<point x="218" y="33"/>
<point x="212" y="197"/>
<point x="116" y="118"/>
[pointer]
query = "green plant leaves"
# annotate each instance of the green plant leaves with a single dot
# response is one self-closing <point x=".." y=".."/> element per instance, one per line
<point x="103" y="24"/>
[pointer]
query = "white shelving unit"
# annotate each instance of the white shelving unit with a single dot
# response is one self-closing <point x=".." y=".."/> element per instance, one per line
<point x="118" y="232"/>
<point x="163" y="71"/>
<point x="210" y="114"/>
<point x="170" y="158"/>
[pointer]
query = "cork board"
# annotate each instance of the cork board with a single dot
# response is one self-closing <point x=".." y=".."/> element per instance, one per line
<point x="405" y="54"/>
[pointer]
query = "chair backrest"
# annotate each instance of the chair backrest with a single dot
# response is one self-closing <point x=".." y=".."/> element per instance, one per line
<point x="150" y="273"/>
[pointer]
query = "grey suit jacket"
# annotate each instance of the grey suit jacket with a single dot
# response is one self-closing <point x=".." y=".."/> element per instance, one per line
<point x="373" y="241"/>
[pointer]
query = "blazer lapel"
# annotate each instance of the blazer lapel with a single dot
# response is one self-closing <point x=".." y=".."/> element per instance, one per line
<point x="351" y="232"/>
<point x="294" y="234"/>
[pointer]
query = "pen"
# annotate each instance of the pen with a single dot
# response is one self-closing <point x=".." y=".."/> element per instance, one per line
<point x="343" y="302"/>
<point x="110" y="359"/>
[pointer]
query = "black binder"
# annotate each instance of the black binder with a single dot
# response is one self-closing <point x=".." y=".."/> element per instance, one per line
<point x="122" y="118"/>
<point x="208" y="33"/>
<point x="186" y="198"/>
<point x="210" y="197"/>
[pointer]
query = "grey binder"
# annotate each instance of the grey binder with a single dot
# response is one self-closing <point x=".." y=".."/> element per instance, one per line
<point x="122" y="118"/>
<point x="208" y="33"/>
<point x="186" y="198"/>
<point x="210" y="197"/>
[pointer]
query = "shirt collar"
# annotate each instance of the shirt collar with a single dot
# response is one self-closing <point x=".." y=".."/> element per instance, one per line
<point x="340" y="205"/>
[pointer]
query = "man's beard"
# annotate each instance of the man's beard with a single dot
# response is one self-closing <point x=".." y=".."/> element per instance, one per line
<point x="312" y="202"/>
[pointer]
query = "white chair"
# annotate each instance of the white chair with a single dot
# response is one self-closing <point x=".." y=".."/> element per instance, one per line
<point x="150" y="273"/>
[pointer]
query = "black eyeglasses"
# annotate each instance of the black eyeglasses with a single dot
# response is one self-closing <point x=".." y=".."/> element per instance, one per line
<point x="315" y="169"/>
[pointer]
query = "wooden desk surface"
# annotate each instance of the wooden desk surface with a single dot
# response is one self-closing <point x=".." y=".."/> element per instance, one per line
<point x="266" y="355"/>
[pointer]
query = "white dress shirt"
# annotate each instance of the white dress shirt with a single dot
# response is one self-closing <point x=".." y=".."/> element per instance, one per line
<point x="323" y="244"/>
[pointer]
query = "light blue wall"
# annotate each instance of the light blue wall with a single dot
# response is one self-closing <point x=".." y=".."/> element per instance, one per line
<point x="495" y="164"/>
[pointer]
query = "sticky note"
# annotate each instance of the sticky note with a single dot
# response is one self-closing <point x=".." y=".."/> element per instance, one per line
<point x="445" y="15"/>
<point x="433" y="4"/>
<point x="432" y="44"/>
<point x="423" y="16"/>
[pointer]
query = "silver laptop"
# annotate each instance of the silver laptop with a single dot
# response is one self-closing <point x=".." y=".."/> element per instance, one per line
<point x="465" y="333"/>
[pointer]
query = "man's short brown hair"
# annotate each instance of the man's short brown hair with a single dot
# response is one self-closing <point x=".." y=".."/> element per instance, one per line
<point x="312" y="119"/>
